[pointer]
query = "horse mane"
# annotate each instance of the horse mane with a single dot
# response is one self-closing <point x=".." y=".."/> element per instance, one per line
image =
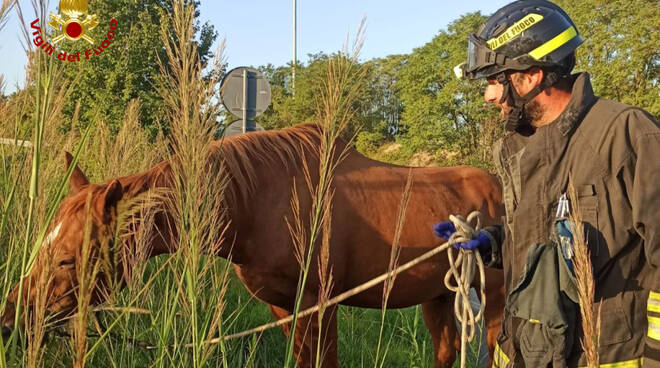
<point x="238" y="155"/>
<point x="285" y="148"/>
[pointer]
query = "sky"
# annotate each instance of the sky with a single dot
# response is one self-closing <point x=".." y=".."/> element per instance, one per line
<point x="258" y="32"/>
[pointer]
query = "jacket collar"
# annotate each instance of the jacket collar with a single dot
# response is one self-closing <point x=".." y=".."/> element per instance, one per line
<point x="582" y="98"/>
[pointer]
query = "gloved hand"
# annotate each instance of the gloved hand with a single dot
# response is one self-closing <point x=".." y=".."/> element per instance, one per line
<point x="444" y="229"/>
<point x="447" y="228"/>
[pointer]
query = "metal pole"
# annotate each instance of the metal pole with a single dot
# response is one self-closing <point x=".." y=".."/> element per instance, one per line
<point x="245" y="97"/>
<point x="293" y="61"/>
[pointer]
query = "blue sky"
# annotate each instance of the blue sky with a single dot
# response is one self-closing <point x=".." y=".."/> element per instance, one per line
<point x="258" y="32"/>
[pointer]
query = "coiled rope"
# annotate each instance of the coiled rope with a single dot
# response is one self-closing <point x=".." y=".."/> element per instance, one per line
<point x="462" y="271"/>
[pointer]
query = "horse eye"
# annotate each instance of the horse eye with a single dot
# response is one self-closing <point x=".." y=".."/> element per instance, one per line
<point x="67" y="262"/>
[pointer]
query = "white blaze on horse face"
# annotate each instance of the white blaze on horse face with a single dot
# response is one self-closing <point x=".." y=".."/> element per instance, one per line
<point x="53" y="234"/>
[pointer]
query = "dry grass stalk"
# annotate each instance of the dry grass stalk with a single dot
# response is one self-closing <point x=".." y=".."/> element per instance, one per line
<point x="198" y="198"/>
<point x="394" y="261"/>
<point x="36" y="319"/>
<point x="585" y="281"/>
<point x="394" y="253"/>
<point x="132" y="141"/>
<point x="297" y="228"/>
<point x="135" y="236"/>
<point x="5" y="8"/>
<point x="325" y="273"/>
<point x="87" y="268"/>
<point x="334" y="111"/>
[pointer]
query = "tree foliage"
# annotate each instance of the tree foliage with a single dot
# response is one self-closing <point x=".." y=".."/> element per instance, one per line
<point x="416" y="101"/>
<point x="621" y="49"/>
<point x="444" y="116"/>
<point x="128" y="68"/>
<point x="289" y="108"/>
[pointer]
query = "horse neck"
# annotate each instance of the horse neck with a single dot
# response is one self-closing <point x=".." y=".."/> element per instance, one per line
<point x="162" y="230"/>
<point x="260" y="191"/>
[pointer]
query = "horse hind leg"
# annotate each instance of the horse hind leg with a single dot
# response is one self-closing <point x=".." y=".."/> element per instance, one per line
<point x="306" y="338"/>
<point x="439" y="319"/>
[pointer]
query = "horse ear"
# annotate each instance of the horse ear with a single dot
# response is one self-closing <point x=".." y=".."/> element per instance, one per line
<point x="112" y="195"/>
<point x="78" y="180"/>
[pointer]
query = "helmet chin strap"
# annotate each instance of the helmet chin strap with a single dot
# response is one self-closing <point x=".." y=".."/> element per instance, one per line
<point x="516" y="121"/>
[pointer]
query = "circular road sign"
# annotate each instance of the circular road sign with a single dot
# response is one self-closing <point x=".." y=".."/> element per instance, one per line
<point x="257" y="92"/>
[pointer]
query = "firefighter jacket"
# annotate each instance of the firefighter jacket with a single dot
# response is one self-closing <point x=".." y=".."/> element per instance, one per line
<point x="612" y="152"/>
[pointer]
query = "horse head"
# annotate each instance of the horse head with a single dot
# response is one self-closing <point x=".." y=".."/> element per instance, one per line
<point x="82" y="228"/>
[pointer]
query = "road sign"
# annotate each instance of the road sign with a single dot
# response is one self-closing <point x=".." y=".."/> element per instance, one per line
<point x="245" y="92"/>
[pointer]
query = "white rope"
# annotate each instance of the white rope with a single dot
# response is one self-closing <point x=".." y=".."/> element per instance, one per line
<point x="462" y="270"/>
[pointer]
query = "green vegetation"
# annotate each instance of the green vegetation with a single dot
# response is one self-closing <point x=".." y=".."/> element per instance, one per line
<point x="128" y="69"/>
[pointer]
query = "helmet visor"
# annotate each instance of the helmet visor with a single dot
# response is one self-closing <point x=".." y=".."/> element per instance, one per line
<point x="479" y="57"/>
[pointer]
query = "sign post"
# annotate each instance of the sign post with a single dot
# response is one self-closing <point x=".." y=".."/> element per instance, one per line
<point x="246" y="94"/>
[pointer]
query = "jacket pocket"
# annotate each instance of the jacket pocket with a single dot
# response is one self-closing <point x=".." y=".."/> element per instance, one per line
<point x="532" y="338"/>
<point x="588" y="207"/>
<point x="615" y="326"/>
<point x="535" y="347"/>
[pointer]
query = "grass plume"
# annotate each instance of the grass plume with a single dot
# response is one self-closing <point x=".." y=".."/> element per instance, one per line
<point x="585" y="281"/>
<point x="394" y="261"/>
<point x="334" y="112"/>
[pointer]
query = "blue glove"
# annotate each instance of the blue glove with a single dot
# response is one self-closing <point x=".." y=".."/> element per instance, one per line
<point x="447" y="228"/>
<point x="444" y="229"/>
<point x="481" y="242"/>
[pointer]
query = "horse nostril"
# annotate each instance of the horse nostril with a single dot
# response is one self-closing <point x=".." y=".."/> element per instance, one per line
<point x="7" y="320"/>
<point x="6" y="332"/>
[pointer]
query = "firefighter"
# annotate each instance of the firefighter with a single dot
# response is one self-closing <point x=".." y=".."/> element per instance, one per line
<point x="557" y="128"/>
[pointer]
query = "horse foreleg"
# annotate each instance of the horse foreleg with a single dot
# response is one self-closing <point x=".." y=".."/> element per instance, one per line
<point x="439" y="319"/>
<point x="308" y="339"/>
<point x="299" y="350"/>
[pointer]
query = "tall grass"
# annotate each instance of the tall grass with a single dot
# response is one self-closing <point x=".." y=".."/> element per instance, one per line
<point x="198" y="199"/>
<point x="394" y="260"/>
<point x="334" y="112"/>
<point x="32" y="114"/>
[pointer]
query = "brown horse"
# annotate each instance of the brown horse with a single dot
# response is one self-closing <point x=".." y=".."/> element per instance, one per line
<point x="266" y="166"/>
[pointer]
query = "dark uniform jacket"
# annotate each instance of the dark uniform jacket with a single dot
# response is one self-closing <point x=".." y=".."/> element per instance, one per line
<point x="612" y="152"/>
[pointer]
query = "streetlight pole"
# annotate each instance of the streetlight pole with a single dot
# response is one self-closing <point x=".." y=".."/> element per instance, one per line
<point x="293" y="61"/>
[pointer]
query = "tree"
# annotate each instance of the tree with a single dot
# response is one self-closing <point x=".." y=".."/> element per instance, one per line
<point x="287" y="109"/>
<point x="621" y="49"/>
<point x="128" y="68"/>
<point x="445" y="116"/>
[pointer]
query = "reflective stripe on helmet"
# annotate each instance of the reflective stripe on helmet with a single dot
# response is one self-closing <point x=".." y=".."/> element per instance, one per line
<point x="554" y="43"/>
<point x="515" y="30"/>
